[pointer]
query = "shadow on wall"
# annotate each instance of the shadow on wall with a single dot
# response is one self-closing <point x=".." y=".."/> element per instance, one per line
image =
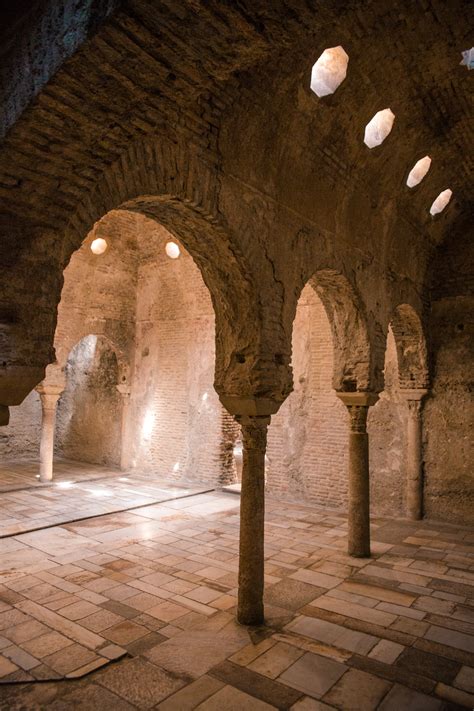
<point x="89" y="411"/>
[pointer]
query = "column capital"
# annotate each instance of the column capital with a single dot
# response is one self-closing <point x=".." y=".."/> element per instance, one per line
<point x="249" y="406"/>
<point x="358" y="399"/>
<point x="254" y="431"/>
<point x="49" y="395"/>
<point x="413" y="393"/>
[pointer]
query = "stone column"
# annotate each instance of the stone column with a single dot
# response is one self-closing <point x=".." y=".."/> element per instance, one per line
<point x="358" y="404"/>
<point x="49" y="395"/>
<point x="414" y="457"/>
<point x="252" y="520"/>
<point x="124" y="390"/>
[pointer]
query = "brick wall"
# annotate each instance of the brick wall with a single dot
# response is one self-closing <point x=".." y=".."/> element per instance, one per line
<point x="175" y="414"/>
<point x="308" y="437"/>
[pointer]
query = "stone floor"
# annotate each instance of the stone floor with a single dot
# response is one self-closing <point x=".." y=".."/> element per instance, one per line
<point x="135" y="610"/>
<point x="79" y="491"/>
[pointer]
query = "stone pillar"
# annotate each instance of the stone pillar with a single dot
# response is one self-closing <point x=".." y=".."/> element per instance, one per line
<point x="125" y="449"/>
<point x="49" y="395"/>
<point x="358" y="404"/>
<point x="414" y="457"/>
<point x="252" y="520"/>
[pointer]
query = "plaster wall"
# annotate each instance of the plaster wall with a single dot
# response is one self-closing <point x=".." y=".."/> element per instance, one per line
<point x="88" y="419"/>
<point x="20" y="438"/>
<point x="387" y="426"/>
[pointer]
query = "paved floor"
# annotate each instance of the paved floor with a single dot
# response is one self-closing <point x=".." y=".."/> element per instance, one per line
<point x="135" y="610"/>
<point x="79" y="490"/>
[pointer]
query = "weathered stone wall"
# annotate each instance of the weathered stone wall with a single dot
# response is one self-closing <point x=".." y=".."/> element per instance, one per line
<point x="387" y="425"/>
<point x="448" y="415"/>
<point x="20" y="438"/>
<point x="88" y="420"/>
<point x="175" y="413"/>
<point x="307" y="440"/>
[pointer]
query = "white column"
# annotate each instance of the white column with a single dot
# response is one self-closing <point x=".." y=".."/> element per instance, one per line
<point x="124" y="390"/>
<point x="414" y="454"/>
<point x="49" y="395"/>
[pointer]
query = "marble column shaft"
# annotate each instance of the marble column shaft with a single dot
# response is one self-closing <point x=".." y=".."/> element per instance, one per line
<point x="49" y="395"/>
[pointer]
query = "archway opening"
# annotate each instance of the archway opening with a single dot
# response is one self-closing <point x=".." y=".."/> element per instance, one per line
<point x="307" y="441"/>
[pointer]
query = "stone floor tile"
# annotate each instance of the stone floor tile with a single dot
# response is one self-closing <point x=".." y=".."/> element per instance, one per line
<point x="192" y="695"/>
<point x="386" y="651"/>
<point x="272" y="692"/>
<point x="320" y="580"/>
<point x="274" y="661"/>
<point x="6" y="666"/>
<point x="291" y="594"/>
<point x="377" y="592"/>
<point x="25" y="631"/>
<point x="401" y="610"/>
<point x="401" y="698"/>
<point x="90" y="698"/>
<point x="167" y="611"/>
<point x="333" y="634"/>
<point x="451" y="638"/>
<point x="194" y="653"/>
<point x="78" y="610"/>
<point x="138" y="682"/>
<point x="359" y="612"/>
<point x="20" y="657"/>
<point x="410" y="626"/>
<point x="465" y="679"/>
<point x="455" y="696"/>
<point x="306" y="703"/>
<point x="203" y="594"/>
<point x="61" y="624"/>
<point x="101" y="620"/>
<point x="124" y="632"/>
<point x="230" y="699"/>
<point x="65" y="661"/>
<point x="46" y="644"/>
<point x="313" y="675"/>
<point x="247" y="654"/>
<point x="357" y="690"/>
<point x="430" y="665"/>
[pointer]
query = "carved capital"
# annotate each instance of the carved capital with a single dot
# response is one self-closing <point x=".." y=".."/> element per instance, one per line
<point x="49" y="395"/>
<point x="254" y="432"/>
<point x="358" y="418"/>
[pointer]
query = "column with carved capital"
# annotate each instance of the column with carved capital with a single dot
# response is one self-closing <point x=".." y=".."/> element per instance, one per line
<point x="124" y="390"/>
<point x="358" y="404"/>
<point x="49" y="395"/>
<point x="252" y="520"/>
<point x="414" y="457"/>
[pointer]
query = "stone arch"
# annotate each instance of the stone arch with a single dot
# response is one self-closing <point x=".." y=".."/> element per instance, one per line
<point x="411" y="348"/>
<point x="175" y="186"/>
<point x="354" y="367"/>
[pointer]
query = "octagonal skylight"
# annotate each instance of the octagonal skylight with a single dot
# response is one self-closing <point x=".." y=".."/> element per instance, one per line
<point x="418" y="172"/>
<point x="441" y="201"/>
<point x="329" y="71"/>
<point x="378" y="128"/>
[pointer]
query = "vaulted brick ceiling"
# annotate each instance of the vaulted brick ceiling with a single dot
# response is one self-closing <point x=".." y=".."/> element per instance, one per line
<point x="226" y="75"/>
